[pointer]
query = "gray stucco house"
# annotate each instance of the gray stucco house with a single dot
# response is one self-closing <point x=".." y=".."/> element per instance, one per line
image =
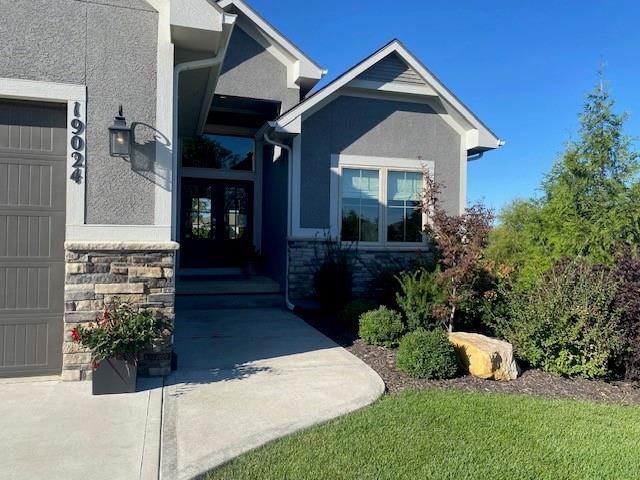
<point x="232" y="152"/>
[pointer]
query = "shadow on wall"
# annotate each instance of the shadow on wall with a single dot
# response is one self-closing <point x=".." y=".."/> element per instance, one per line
<point x="144" y="158"/>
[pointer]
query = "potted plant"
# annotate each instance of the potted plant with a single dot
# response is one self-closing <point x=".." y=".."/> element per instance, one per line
<point x="116" y="339"/>
<point x="254" y="261"/>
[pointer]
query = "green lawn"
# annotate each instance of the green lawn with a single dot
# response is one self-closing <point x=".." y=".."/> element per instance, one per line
<point x="454" y="435"/>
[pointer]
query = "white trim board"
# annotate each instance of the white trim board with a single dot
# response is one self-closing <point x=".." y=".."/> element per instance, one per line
<point x="337" y="162"/>
<point x="485" y="138"/>
<point x="64" y="93"/>
<point x="307" y="68"/>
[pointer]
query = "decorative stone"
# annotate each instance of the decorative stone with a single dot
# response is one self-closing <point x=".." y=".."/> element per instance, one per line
<point x="76" y="267"/>
<point x="145" y="272"/>
<point x="71" y="375"/>
<point x="485" y="357"/>
<point x="115" y="288"/>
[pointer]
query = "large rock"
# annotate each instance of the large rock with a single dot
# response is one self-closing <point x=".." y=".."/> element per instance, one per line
<point x="485" y="357"/>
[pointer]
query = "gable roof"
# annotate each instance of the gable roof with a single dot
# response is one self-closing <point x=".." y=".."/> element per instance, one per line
<point x="391" y="64"/>
<point x="308" y="70"/>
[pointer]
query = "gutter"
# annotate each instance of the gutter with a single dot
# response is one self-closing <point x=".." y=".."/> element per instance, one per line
<point x="478" y="156"/>
<point x="289" y="151"/>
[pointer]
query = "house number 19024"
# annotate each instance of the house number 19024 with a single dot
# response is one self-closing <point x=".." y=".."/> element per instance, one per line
<point x="77" y="144"/>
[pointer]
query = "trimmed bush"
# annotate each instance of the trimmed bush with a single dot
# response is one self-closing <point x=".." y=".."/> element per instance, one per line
<point x="567" y="323"/>
<point x="350" y="315"/>
<point x="381" y="327"/>
<point x="420" y="294"/>
<point x="427" y="354"/>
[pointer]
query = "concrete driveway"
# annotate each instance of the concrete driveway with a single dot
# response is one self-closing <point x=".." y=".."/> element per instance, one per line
<point x="248" y="376"/>
<point x="57" y="430"/>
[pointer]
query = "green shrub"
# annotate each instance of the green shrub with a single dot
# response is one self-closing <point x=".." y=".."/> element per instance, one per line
<point x="121" y="332"/>
<point x="350" y="314"/>
<point x="381" y="327"/>
<point x="427" y="354"/>
<point x="333" y="276"/>
<point x="420" y="294"/>
<point x="567" y="322"/>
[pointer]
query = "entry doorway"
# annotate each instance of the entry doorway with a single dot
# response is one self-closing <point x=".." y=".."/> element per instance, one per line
<point x="217" y="223"/>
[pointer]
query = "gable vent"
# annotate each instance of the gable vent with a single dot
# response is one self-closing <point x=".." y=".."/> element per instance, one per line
<point x="391" y="69"/>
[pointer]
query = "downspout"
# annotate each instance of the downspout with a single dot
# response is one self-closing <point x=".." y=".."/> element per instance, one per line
<point x="289" y="151"/>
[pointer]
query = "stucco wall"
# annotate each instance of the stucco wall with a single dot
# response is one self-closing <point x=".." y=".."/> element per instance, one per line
<point x="375" y="127"/>
<point x="250" y="71"/>
<point x="110" y="46"/>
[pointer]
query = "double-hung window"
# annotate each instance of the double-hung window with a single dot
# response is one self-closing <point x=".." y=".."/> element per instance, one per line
<point x="381" y="205"/>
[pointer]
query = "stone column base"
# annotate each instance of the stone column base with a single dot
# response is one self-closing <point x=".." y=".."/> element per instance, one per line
<point x="139" y="273"/>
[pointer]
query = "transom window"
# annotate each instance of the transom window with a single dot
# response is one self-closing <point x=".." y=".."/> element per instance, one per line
<point x="222" y="152"/>
<point x="381" y="205"/>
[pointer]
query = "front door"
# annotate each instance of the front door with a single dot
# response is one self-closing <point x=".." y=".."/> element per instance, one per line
<point x="217" y="223"/>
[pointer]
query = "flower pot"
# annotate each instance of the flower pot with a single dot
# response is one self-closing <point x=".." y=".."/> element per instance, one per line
<point x="115" y="376"/>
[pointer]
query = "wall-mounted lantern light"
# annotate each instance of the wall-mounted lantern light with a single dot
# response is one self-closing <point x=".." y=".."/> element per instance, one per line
<point x="120" y="137"/>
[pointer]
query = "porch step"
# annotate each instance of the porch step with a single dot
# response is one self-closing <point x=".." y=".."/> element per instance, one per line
<point x="227" y="286"/>
<point x="213" y="302"/>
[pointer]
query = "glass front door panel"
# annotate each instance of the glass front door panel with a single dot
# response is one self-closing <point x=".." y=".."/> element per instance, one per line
<point x="217" y="221"/>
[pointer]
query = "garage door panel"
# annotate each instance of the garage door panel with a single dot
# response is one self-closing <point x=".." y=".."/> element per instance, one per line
<point x="30" y="343"/>
<point x="32" y="224"/>
<point x="32" y="128"/>
<point x="32" y="289"/>
<point x="31" y="235"/>
<point x="33" y="184"/>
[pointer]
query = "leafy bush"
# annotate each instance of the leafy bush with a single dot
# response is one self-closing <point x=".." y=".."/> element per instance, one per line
<point x="119" y="332"/>
<point x="381" y="327"/>
<point x="427" y="354"/>
<point x="333" y="277"/>
<point x="421" y="293"/>
<point x="567" y="323"/>
<point x="385" y="273"/>
<point x="628" y="301"/>
<point x="350" y="314"/>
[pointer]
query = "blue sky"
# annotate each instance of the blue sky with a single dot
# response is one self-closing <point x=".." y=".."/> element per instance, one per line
<point x="523" y="66"/>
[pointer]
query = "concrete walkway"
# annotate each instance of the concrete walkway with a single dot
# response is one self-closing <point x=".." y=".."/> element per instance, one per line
<point x="55" y="430"/>
<point x="248" y="376"/>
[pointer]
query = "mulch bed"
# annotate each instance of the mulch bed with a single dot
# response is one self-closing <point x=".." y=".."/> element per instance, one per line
<point x="532" y="382"/>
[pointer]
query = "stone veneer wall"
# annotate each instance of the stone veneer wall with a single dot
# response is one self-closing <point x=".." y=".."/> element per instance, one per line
<point x="141" y="274"/>
<point x="304" y="255"/>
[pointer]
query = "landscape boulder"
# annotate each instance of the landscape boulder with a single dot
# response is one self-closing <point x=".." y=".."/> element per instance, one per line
<point x="485" y="357"/>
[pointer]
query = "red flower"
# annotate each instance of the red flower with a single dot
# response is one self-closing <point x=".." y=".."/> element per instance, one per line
<point x="75" y="335"/>
<point x="95" y="364"/>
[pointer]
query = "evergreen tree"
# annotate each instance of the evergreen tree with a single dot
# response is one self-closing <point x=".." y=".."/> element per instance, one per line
<point x="590" y="205"/>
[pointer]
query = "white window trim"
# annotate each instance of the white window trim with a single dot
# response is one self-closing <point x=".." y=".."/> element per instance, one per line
<point x="383" y="165"/>
<point x="339" y="161"/>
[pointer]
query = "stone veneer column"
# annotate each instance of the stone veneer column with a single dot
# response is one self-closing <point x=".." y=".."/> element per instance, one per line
<point x="304" y="255"/>
<point x="139" y="273"/>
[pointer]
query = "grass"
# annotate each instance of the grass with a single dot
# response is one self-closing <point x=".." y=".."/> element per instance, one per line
<point x="455" y="435"/>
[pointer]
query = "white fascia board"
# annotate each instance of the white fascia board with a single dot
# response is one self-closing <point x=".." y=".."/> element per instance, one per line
<point x="333" y="87"/>
<point x="435" y="88"/>
<point x="490" y="140"/>
<point x="308" y="68"/>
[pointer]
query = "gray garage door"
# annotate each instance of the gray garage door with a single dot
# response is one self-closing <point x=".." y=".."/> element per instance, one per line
<point x="32" y="218"/>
